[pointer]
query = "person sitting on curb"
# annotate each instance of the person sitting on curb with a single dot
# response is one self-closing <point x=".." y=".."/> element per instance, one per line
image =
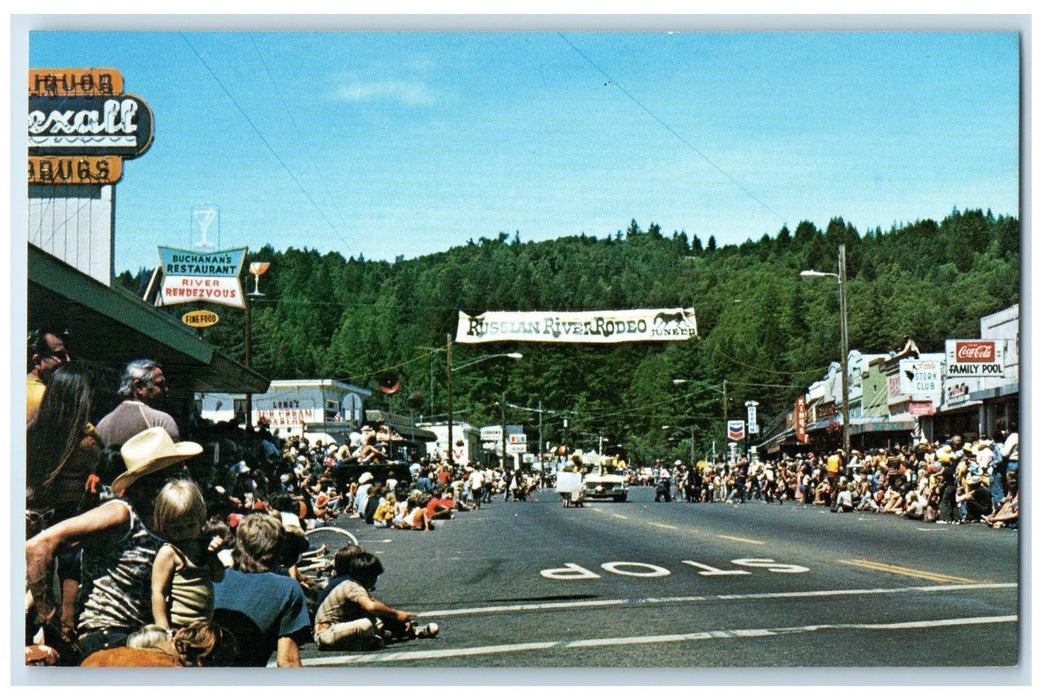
<point x="440" y="505"/>
<point x="350" y="618"/>
<point x="1008" y="512"/>
<point x="266" y="612"/>
<point x="415" y="517"/>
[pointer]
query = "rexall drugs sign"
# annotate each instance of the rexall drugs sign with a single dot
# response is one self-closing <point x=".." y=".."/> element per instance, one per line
<point x="975" y="358"/>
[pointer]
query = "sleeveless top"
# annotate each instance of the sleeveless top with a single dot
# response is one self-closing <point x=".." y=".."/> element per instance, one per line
<point x="67" y="492"/>
<point x="116" y="592"/>
<point x="191" y="592"/>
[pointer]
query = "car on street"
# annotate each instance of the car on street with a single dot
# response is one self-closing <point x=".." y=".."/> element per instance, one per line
<point x="606" y="482"/>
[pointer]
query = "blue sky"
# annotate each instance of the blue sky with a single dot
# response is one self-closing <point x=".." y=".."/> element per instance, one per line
<point x="388" y="144"/>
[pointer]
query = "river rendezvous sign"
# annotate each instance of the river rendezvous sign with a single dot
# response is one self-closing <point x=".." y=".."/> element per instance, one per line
<point x="189" y="276"/>
<point x="578" y="326"/>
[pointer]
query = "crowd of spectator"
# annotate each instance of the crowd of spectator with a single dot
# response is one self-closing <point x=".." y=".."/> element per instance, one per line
<point x="149" y="543"/>
<point x="154" y="544"/>
<point x="949" y="482"/>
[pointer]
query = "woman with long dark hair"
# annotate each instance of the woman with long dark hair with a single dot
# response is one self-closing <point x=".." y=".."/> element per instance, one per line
<point x="62" y="450"/>
<point x="62" y="453"/>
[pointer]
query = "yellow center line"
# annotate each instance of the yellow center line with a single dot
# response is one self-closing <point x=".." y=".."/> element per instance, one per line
<point x="663" y="525"/>
<point x="739" y="539"/>
<point x="620" y="517"/>
<point x="904" y="571"/>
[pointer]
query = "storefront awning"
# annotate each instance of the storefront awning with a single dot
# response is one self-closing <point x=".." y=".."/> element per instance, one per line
<point x="881" y="424"/>
<point x="995" y="392"/>
<point x="965" y="406"/>
<point x="774" y="443"/>
<point x="107" y="327"/>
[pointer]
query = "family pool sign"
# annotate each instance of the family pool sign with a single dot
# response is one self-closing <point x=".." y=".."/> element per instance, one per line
<point x="975" y="358"/>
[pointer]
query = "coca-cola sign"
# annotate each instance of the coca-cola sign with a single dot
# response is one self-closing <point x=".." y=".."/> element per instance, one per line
<point x="974" y="350"/>
<point x="975" y="358"/>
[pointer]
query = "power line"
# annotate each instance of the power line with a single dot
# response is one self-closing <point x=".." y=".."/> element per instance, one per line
<point x="286" y="110"/>
<point x="268" y="145"/>
<point x="670" y="129"/>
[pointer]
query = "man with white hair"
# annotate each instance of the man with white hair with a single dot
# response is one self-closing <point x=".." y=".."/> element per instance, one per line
<point x="142" y="386"/>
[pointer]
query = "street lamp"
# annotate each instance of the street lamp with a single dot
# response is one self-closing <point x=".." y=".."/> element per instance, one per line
<point x="448" y="382"/>
<point x="667" y="427"/>
<point x="841" y="278"/>
<point x="709" y="386"/>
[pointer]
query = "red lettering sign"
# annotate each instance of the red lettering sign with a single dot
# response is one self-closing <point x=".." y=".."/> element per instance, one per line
<point x="975" y="351"/>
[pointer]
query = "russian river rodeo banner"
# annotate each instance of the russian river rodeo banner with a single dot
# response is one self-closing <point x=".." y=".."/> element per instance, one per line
<point x="578" y="326"/>
<point x="190" y="276"/>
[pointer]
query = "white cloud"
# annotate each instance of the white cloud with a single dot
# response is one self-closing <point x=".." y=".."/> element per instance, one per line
<point x="405" y="92"/>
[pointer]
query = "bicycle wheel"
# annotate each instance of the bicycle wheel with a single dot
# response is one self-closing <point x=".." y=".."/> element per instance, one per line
<point x="316" y="564"/>
<point x="332" y="538"/>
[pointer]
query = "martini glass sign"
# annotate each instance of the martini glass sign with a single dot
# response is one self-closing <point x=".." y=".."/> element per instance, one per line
<point x="204" y="216"/>
<point x="257" y="269"/>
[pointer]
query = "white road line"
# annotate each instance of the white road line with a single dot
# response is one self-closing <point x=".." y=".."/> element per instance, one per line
<point x="374" y="658"/>
<point x="522" y="607"/>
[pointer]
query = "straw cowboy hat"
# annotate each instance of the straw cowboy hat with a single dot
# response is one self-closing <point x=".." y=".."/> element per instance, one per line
<point x="150" y="451"/>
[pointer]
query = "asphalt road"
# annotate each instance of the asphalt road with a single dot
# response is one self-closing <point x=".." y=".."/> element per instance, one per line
<point x="738" y="592"/>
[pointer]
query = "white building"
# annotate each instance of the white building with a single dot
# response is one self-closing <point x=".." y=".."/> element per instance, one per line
<point x="290" y="405"/>
<point x="468" y="435"/>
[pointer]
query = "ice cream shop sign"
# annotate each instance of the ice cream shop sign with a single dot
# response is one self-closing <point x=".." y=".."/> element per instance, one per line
<point x="82" y="125"/>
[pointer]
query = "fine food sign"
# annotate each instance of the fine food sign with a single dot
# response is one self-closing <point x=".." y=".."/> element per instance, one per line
<point x="200" y="319"/>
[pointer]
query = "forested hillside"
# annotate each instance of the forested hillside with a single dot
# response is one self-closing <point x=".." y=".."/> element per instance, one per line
<point x="764" y="329"/>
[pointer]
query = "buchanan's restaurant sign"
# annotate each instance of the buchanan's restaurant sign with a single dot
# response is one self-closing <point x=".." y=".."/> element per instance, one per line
<point x="190" y="276"/>
<point x="82" y="125"/>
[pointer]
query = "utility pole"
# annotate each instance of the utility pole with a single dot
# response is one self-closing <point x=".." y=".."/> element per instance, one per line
<point x="542" y="453"/>
<point x="846" y="348"/>
<point x="448" y="391"/>
<point x="725" y="406"/>
<point x="503" y="424"/>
